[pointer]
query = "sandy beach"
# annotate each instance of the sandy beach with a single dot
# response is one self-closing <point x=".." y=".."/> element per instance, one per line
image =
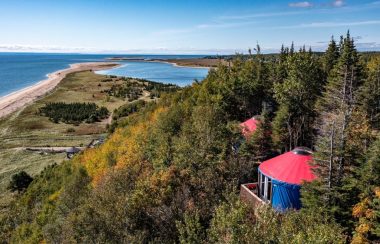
<point x="21" y="98"/>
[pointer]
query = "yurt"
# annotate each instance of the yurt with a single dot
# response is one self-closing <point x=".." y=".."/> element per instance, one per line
<point x="280" y="178"/>
<point x="249" y="126"/>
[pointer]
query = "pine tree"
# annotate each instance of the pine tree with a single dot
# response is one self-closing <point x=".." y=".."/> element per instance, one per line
<point x="367" y="210"/>
<point x="260" y="143"/>
<point x="334" y="158"/>
<point x="291" y="52"/>
<point x="331" y="56"/>
<point x="370" y="93"/>
<point x="280" y="70"/>
<point x="296" y="97"/>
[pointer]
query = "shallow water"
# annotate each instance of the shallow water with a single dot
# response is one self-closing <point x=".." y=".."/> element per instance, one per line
<point x="160" y="72"/>
<point x="20" y="70"/>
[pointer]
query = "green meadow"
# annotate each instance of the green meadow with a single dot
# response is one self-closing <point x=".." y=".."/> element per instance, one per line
<point x="27" y="128"/>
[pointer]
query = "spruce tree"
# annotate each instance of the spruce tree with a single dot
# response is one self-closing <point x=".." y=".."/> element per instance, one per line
<point x="331" y="56"/>
<point x="296" y="97"/>
<point x="367" y="210"/>
<point x="370" y="93"/>
<point x="261" y="142"/>
<point x="334" y="158"/>
<point x="280" y="70"/>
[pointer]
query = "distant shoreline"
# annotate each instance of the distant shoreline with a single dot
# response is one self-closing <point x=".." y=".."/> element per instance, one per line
<point x="188" y="62"/>
<point x="18" y="99"/>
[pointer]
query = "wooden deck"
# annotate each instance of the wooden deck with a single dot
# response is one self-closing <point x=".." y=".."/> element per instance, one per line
<point x="248" y="194"/>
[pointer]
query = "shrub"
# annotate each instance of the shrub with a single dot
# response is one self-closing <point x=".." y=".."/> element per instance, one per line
<point x="20" y="181"/>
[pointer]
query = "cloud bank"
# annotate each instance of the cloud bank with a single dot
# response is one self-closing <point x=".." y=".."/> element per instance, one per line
<point x="301" y="5"/>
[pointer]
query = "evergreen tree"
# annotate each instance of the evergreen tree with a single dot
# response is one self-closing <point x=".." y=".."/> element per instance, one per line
<point x="259" y="145"/>
<point x="296" y="97"/>
<point x="279" y="69"/>
<point x="334" y="157"/>
<point x="291" y="51"/>
<point x="367" y="210"/>
<point x="370" y="93"/>
<point x="331" y="56"/>
<point x="20" y="181"/>
<point x="261" y="139"/>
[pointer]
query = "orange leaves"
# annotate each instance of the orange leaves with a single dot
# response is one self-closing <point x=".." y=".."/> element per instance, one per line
<point x="363" y="228"/>
<point x="366" y="211"/>
<point x="377" y="192"/>
<point x="360" y="208"/>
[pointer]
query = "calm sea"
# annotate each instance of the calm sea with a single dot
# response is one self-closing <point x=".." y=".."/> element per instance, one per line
<point x="20" y="70"/>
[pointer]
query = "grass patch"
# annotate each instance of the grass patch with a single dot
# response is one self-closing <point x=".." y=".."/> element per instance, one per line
<point x="28" y="128"/>
<point x="13" y="161"/>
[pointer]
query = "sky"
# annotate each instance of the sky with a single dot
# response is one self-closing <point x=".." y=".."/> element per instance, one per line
<point x="183" y="26"/>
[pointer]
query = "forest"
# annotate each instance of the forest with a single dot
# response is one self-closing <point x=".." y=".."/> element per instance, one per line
<point x="74" y="113"/>
<point x="133" y="88"/>
<point x="169" y="172"/>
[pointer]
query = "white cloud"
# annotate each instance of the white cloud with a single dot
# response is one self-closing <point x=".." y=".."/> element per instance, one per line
<point x="368" y="46"/>
<point x="301" y="4"/>
<point x="40" y="48"/>
<point x="330" y="24"/>
<point x="307" y="4"/>
<point x="338" y="3"/>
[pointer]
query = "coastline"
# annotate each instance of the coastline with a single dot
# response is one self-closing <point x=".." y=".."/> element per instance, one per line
<point x="175" y="64"/>
<point x="18" y="99"/>
<point x="186" y="63"/>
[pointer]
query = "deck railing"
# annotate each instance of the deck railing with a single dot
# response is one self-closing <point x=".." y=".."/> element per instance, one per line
<point x="249" y="195"/>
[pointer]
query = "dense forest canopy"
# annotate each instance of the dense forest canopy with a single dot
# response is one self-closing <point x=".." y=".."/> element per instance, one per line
<point x="72" y="113"/>
<point x="169" y="173"/>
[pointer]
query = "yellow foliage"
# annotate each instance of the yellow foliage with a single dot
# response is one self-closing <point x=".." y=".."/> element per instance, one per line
<point x="55" y="195"/>
<point x="363" y="228"/>
<point x="359" y="239"/>
<point x="123" y="148"/>
<point x="136" y="139"/>
<point x="369" y="214"/>
<point x="367" y="217"/>
<point x="360" y="208"/>
<point x="373" y="64"/>
<point x="360" y="131"/>
<point x="377" y="192"/>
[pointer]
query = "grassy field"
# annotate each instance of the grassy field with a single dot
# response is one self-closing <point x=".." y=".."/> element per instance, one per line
<point x="198" y="62"/>
<point x="26" y="128"/>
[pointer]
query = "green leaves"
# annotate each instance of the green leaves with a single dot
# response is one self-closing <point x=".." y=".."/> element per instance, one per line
<point x="296" y="96"/>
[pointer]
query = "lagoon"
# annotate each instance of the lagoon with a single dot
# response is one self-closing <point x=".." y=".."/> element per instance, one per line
<point x="21" y="70"/>
<point x="158" y="71"/>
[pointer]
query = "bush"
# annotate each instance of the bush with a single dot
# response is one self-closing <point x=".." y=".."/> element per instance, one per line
<point x="128" y="109"/>
<point x="20" y="181"/>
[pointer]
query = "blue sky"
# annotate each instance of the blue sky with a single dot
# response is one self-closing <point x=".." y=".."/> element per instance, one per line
<point x="196" y="27"/>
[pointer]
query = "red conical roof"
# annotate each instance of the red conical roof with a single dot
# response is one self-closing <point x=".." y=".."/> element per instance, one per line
<point x="249" y="126"/>
<point x="292" y="167"/>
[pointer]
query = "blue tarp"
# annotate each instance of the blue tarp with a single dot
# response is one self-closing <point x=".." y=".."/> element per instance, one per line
<point x="285" y="196"/>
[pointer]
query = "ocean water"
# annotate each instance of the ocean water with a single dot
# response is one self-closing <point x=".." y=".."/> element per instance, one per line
<point x="20" y="70"/>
